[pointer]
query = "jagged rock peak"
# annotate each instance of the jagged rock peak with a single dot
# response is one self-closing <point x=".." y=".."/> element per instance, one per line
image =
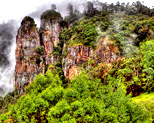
<point x="27" y="26"/>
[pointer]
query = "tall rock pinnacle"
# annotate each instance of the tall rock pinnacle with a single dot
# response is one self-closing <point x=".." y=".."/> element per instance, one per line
<point x="50" y="31"/>
<point x="27" y="60"/>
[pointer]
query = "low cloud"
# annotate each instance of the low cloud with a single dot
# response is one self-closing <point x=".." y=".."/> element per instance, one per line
<point x="7" y="56"/>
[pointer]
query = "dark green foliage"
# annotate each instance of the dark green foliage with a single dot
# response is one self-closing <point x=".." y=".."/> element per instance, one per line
<point x="39" y="53"/>
<point x="91" y="100"/>
<point x="129" y="31"/>
<point x="27" y="28"/>
<point x="5" y="101"/>
<point x="144" y="30"/>
<point x="90" y="11"/>
<point x="50" y="15"/>
<point x="84" y="32"/>
<point x="64" y="24"/>
<point x="28" y="19"/>
<point x="133" y="9"/>
<point x="73" y="15"/>
<point x="39" y="50"/>
<point x="87" y="36"/>
<point x="57" y="51"/>
<point x="58" y="65"/>
<point x="65" y="35"/>
<point x="70" y="9"/>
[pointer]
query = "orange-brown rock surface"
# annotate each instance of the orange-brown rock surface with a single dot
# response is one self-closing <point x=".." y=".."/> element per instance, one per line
<point x="50" y="30"/>
<point x="26" y="63"/>
<point x="106" y="52"/>
<point x="34" y="49"/>
<point x="76" y="56"/>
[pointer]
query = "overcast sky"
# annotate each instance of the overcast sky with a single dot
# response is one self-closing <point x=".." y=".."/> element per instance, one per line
<point x="17" y="9"/>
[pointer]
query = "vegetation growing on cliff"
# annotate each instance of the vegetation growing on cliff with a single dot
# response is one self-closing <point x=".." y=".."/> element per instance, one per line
<point x="84" y="32"/>
<point x="50" y="15"/>
<point x="136" y="72"/>
<point x="29" y="26"/>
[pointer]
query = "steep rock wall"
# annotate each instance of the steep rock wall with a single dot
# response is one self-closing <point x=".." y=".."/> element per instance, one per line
<point x="76" y="56"/>
<point x="30" y="62"/>
<point x="50" y="30"/>
<point x="26" y="59"/>
<point x="106" y="52"/>
<point x="34" y="48"/>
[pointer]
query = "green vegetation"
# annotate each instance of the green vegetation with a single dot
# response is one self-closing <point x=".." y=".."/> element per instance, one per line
<point x="4" y="102"/>
<point x="50" y="15"/>
<point x="29" y="19"/>
<point x="129" y="31"/>
<point x="28" y="27"/>
<point x="39" y="55"/>
<point x="84" y="32"/>
<point x="146" y="100"/>
<point x="137" y="71"/>
<point x="117" y="91"/>
<point x="83" y="100"/>
<point x="39" y="50"/>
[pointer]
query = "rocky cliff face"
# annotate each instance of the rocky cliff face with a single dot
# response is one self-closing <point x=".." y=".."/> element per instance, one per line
<point x="34" y="48"/>
<point x="26" y="62"/>
<point x="105" y="52"/>
<point x="76" y="56"/>
<point x="50" y="30"/>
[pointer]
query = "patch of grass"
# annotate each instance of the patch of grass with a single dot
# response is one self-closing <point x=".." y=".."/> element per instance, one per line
<point x="144" y="98"/>
<point x="147" y="101"/>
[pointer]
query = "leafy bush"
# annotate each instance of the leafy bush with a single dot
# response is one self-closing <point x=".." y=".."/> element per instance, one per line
<point x="5" y="101"/>
<point x="28" y="25"/>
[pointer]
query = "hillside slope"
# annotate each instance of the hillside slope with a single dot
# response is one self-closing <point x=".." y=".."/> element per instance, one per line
<point x="86" y="68"/>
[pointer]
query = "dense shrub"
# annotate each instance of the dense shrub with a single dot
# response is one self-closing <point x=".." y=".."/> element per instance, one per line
<point x="137" y="71"/>
<point x="5" y="101"/>
<point x="50" y="15"/>
<point x="84" y="32"/>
